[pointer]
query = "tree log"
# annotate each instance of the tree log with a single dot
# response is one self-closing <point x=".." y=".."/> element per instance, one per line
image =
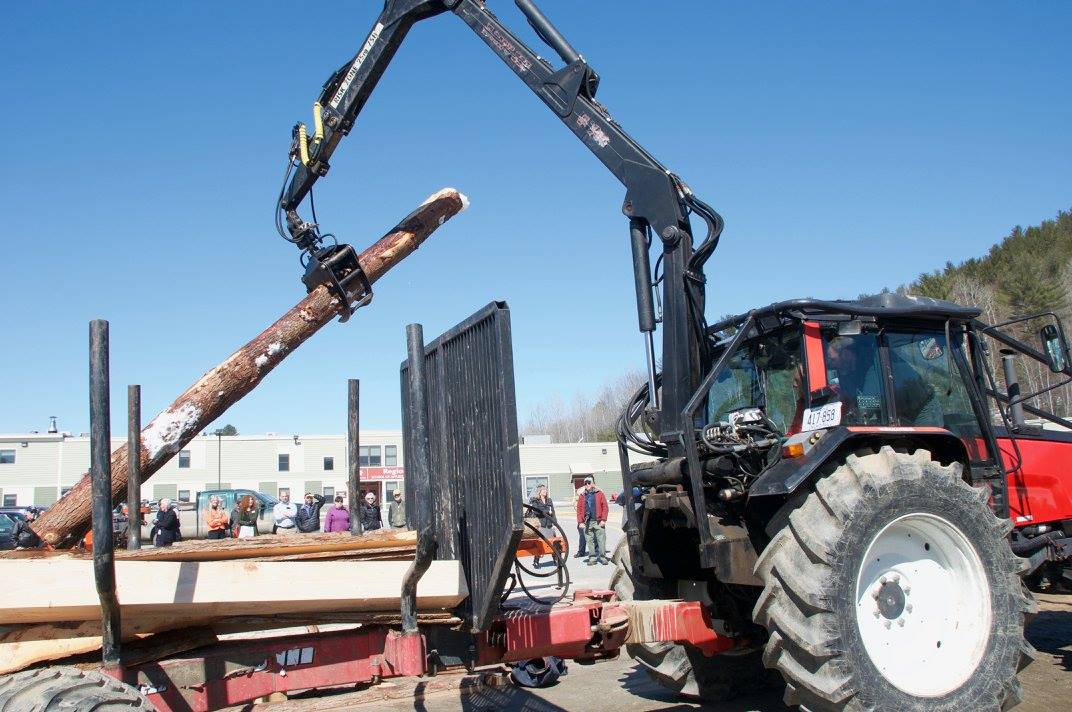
<point x="64" y="523"/>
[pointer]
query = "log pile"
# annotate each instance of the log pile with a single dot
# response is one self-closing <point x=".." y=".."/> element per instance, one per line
<point x="207" y="588"/>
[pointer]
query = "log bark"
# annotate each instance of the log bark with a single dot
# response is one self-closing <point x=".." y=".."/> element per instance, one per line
<point x="67" y="521"/>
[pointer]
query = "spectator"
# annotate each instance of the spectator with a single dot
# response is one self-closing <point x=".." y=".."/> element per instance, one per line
<point x="396" y="511"/>
<point x="25" y="537"/>
<point x="244" y="518"/>
<point x="338" y="518"/>
<point x="285" y="513"/>
<point x="165" y="531"/>
<point x="577" y="497"/>
<point x="592" y="512"/>
<point x="308" y="518"/>
<point x="545" y="512"/>
<point x="370" y="513"/>
<point x="216" y="520"/>
<point x="120" y="525"/>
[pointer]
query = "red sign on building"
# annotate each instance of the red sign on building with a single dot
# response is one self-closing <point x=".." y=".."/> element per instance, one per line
<point x="369" y="474"/>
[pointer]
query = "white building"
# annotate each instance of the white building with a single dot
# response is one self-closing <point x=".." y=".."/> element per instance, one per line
<point x="36" y="468"/>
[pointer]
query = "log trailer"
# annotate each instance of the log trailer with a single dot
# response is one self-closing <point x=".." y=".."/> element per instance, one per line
<point x="841" y="492"/>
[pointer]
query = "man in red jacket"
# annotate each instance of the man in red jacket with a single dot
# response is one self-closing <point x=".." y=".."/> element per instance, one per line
<point x="592" y="512"/>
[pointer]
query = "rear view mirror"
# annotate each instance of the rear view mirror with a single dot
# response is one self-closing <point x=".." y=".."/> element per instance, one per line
<point x="1055" y="348"/>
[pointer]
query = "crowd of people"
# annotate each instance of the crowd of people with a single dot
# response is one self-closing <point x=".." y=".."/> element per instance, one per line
<point x="592" y="512"/>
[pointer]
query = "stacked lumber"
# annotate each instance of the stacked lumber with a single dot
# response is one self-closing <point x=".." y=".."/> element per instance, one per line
<point x="376" y="545"/>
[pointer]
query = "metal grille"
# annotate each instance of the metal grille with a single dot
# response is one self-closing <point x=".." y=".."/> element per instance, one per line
<point x="475" y="462"/>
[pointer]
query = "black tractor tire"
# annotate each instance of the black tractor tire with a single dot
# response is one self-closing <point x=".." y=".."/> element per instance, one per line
<point x="68" y="689"/>
<point x="684" y="668"/>
<point x="813" y="565"/>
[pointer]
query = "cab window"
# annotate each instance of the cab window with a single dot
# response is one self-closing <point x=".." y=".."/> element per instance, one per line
<point x="764" y="373"/>
<point x="925" y="391"/>
<point x="854" y="372"/>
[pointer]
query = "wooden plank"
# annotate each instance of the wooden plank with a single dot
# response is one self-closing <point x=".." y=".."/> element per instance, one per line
<point x="66" y="522"/>
<point x="152" y="591"/>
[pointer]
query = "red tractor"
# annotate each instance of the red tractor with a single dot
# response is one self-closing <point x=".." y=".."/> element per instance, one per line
<point x="857" y="508"/>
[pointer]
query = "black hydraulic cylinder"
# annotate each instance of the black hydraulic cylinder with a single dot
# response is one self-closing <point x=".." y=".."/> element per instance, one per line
<point x="101" y="488"/>
<point x="638" y="238"/>
<point x="353" y="449"/>
<point x="133" y="467"/>
<point x="1012" y="387"/>
<point x="418" y="466"/>
<point x="547" y="32"/>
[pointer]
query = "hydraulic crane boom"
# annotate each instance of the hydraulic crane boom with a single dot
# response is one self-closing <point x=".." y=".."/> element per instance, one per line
<point x="656" y="202"/>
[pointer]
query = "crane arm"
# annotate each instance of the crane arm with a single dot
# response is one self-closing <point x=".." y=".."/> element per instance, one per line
<point x="657" y="202"/>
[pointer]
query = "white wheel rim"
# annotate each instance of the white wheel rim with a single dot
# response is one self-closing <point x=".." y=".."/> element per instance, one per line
<point x="923" y="605"/>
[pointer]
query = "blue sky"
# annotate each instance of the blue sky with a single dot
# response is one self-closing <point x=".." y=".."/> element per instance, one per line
<point x="849" y="146"/>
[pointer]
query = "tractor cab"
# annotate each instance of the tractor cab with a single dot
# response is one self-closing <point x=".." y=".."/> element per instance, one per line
<point x="894" y="365"/>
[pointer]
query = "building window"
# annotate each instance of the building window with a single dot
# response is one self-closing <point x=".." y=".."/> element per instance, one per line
<point x="369" y="455"/>
<point x="11" y="500"/>
<point x="284" y="491"/>
<point x="284" y="462"/>
<point x="184" y="495"/>
<point x="329" y="463"/>
<point x="184" y="459"/>
<point x="329" y="493"/>
<point x="390" y="455"/>
<point x="389" y="488"/>
<point x="7" y="457"/>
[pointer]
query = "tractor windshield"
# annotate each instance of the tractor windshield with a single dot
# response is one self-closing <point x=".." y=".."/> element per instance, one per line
<point x="764" y="373"/>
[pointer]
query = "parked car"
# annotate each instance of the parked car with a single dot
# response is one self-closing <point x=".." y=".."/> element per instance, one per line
<point x="7" y="532"/>
<point x="192" y="523"/>
<point x="20" y="512"/>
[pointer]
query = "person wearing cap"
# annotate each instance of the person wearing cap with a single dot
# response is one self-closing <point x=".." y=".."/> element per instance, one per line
<point x="285" y="513"/>
<point x="370" y="513"/>
<point x="26" y="538"/>
<point x="396" y="511"/>
<point x="308" y="517"/>
<point x="592" y="513"/>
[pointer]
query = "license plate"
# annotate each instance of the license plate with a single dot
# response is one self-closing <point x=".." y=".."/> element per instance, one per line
<point x="823" y="416"/>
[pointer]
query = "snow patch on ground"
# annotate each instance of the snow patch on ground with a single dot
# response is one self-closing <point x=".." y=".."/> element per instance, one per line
<point x="167" y="430"/>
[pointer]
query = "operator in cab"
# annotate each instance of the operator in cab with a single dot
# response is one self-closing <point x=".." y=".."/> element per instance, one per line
<point x="857" y="381"/>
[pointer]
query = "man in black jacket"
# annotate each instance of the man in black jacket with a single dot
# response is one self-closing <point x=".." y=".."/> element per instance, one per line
<point x="308" y="517"/>
<point x="24" y="536"/>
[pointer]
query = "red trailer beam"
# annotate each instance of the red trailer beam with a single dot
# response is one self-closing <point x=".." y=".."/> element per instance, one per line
<point x="592" y="626"/>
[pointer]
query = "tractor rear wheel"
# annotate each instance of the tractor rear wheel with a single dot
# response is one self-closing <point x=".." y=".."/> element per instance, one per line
<point x="684" y="668"/>
<point x="68" y="688"/>
<point x="892" y="587"/>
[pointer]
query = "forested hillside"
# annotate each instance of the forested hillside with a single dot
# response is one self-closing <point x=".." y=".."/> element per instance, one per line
<point x="1029" y="271"/>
